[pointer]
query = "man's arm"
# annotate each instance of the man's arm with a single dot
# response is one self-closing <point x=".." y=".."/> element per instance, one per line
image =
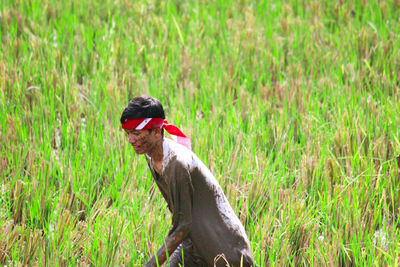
<point x="171" y="243"/>
<point x="181" y="192"/>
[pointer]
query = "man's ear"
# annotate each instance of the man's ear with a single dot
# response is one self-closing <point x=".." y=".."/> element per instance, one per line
<point x="157" y="131"/>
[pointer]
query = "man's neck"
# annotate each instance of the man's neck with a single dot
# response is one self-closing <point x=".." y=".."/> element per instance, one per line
<point x="156" y="152"/>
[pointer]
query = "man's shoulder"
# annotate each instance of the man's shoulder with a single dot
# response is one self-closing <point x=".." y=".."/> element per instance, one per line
<point x="178" y="155"/>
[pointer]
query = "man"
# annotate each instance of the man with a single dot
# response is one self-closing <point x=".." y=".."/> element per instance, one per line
<point x="204" y="226"/>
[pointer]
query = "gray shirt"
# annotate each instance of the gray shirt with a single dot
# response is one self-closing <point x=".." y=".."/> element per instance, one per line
<point x="196" y="199"/>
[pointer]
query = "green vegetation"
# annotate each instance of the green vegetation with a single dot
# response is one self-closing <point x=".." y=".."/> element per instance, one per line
<point x="294" y="107"/>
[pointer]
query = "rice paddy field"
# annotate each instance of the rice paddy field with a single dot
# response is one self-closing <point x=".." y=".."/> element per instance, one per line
<point x="293" y="105"/>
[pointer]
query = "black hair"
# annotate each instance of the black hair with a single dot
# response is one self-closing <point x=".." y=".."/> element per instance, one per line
<point x="143" y="107"/>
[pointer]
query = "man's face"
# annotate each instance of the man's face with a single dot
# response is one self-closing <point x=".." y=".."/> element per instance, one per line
<point x="143" y="141"/>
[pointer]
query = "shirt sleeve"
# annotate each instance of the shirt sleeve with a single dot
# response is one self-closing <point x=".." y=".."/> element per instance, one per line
<point x="182" y="196"/>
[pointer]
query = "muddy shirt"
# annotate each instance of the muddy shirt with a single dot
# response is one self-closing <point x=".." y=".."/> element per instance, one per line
<point x="195" y="198"/>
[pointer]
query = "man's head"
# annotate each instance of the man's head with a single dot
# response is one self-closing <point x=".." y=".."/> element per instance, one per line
<point x="143" y="141"/>
<point x="143" y="107"/>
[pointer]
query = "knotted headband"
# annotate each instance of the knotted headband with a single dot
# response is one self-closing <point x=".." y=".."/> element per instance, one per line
<point x="153" y="123"/>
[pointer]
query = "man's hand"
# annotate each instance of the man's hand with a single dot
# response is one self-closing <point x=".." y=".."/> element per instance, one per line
<point x="171" y="243"/>
<point x="150" y="264"/>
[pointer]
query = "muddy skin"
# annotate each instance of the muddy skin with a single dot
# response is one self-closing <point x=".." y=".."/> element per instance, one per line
<point x="145" y="141"/>
<point x="203" y="223"/>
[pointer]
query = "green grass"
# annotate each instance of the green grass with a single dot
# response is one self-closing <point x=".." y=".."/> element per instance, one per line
<point x="294" y="107"/>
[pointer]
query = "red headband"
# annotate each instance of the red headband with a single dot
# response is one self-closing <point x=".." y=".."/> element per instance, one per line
<point x="153" y="123"/>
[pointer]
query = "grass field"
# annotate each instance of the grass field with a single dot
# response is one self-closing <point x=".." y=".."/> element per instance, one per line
<point x="294" y="107"/>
